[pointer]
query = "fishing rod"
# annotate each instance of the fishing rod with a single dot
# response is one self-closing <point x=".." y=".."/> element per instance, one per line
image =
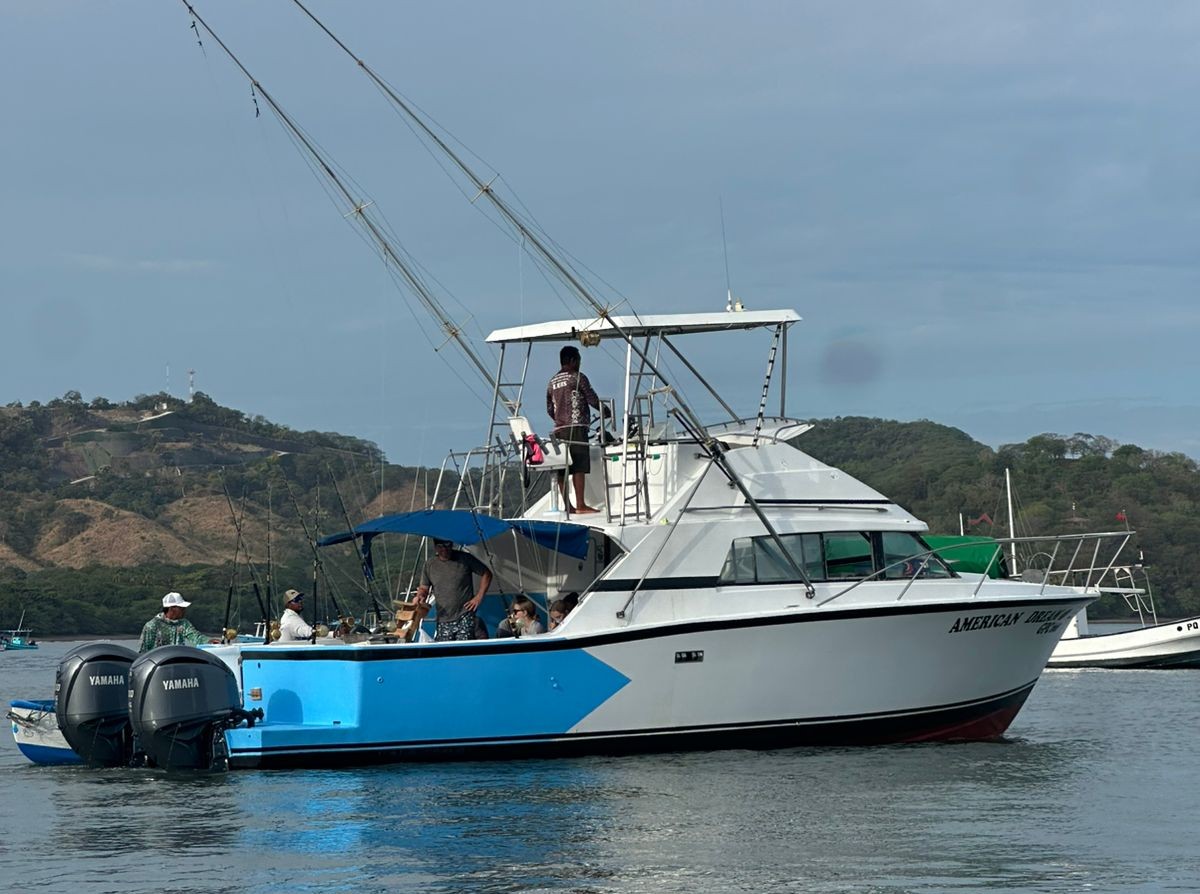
<point x="363" y="562"/>
<point x="270" y="564"/>
<point x="232" y="581"/>
<point x="241" y="539"/>
<point x="312" y="634"/>
<point x="318" y="562"/>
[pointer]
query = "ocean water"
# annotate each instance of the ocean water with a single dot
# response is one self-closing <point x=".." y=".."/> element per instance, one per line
<point x="1093" y="790"/>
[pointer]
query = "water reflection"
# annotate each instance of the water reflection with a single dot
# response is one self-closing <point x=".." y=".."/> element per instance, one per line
<point x="1089" y="791"/>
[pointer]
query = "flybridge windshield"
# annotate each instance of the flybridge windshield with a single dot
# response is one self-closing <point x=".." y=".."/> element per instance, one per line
<point x="833" y="555"/>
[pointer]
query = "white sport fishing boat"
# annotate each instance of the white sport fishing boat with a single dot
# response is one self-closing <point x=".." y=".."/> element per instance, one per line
<point x="734" y="591"/>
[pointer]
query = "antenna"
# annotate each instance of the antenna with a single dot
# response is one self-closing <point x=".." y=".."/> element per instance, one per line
<point x="730" y="303"/>
<point x="725" y="251"/>
<point x="168" y="378"/>
<point x="191" y="384"/>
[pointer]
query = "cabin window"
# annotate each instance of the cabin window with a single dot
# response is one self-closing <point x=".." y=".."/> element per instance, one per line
<point x="739" y="564"/>
<point x="848" y="555"/>
<point x="835" y="555"/>
<point x="897" y="547"/>
<point x="759" y="560"/>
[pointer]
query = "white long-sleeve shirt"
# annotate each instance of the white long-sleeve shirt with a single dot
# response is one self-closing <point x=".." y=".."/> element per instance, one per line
<point x="292" y="627"/>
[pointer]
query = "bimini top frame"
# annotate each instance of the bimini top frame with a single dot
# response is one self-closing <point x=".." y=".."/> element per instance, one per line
<point x="645" y="382"/>
<point x="644" y="326"/>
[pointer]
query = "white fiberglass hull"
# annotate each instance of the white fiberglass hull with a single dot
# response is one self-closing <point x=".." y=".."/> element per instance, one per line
<point x="1172" y="645"/>
<point x="863" y="675"/>
<point x="35" y="730"/>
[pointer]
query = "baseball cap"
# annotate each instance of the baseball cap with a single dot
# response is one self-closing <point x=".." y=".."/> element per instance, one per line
<point x="293" y="596"/>
<point x="174" y="599"/>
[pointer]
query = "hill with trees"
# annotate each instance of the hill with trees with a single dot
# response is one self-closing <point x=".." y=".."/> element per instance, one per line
<point x="106" y="506"/>
<point x="1063" y="484"/>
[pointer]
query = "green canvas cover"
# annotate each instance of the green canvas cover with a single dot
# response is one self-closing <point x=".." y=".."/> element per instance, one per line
<point x="967" y="554"/>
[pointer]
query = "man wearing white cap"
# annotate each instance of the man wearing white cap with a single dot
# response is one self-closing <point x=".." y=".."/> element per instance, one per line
<point x="171" y="628"/>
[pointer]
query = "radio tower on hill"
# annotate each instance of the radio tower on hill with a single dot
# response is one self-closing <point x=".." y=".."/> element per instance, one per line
<point x="191" y="384"/>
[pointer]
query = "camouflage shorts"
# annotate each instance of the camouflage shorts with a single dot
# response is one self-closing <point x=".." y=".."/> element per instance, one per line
<point x="462" y="627"/>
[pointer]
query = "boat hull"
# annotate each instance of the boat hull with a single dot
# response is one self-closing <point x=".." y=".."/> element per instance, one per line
<point x="35" y="729"/>
<point x="1164" y="646"/>
<point x="863" y="676"/>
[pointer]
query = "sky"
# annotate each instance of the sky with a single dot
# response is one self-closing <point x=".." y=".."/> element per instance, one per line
<point x="986" y="214"/>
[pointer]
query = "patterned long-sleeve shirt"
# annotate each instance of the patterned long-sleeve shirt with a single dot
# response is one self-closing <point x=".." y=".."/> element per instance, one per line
<point x="161" y="632"/>
<point x="569" y="395"/>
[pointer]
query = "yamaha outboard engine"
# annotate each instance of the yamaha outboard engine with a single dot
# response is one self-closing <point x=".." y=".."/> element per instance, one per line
<point x="181" y="701"/>
<point x="91" y="701"/>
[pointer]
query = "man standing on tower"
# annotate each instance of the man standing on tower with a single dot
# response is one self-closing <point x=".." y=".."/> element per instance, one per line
<point x="569" y="398"/>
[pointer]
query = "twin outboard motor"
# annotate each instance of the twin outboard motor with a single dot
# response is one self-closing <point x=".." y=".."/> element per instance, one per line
<point x="91" y="701"/>
<point x="181" y="701"/>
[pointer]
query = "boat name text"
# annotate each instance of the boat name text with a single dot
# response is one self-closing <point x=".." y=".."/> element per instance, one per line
<point x="1047" y="620"/>
<point x="985" y="622"/>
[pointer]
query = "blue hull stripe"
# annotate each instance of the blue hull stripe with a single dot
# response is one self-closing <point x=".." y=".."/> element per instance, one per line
<point x="341" y="704"/>
<point x="44" y="754"/>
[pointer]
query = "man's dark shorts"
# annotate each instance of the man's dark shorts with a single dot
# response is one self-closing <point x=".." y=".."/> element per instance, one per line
<point x="578" y="448"/>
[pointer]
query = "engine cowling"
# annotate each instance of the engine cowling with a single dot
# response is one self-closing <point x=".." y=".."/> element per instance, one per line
<point x="181" y="700"/>
<point x="91" y="702"/>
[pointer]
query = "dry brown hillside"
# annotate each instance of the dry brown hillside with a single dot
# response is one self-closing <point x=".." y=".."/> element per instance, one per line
<point x="114" y="537"/>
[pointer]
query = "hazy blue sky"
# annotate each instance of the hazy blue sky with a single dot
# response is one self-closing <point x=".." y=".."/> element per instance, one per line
<point x="986" y="213"/>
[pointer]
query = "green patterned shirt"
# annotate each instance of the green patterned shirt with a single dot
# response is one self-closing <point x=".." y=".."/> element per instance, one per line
<point x="161" y="632"/>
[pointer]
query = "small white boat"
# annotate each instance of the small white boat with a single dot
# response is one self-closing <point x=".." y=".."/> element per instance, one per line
<point x="35" y="729"/>
<point x="1173" y="644"/>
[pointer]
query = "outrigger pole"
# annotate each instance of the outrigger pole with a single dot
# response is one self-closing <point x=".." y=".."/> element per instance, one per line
<point x="358" y="209"/>
<point x="572" y="280"/>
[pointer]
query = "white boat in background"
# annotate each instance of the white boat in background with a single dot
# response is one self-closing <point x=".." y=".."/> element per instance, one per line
<point x="1171" y="644"/>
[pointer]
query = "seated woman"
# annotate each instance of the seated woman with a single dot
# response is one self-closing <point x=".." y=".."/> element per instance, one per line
<point x="522" y="619"/>
<point x="558" y="613"/>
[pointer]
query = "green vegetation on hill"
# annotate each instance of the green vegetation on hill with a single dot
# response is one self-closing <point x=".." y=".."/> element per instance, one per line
<point x="106" y="506"/>
<point x="1064" y="483"/>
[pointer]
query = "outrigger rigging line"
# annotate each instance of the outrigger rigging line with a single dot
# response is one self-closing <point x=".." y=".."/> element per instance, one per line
<point x="357" y="209"/>
<point x="538" y="242"/>
<point x="530" y="235"/>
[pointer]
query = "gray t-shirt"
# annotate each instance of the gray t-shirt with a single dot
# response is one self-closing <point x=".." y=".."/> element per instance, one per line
<point x="452" y="582"/>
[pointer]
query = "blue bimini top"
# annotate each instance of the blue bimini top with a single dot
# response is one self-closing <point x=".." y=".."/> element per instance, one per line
<point x="466" y="526"/>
